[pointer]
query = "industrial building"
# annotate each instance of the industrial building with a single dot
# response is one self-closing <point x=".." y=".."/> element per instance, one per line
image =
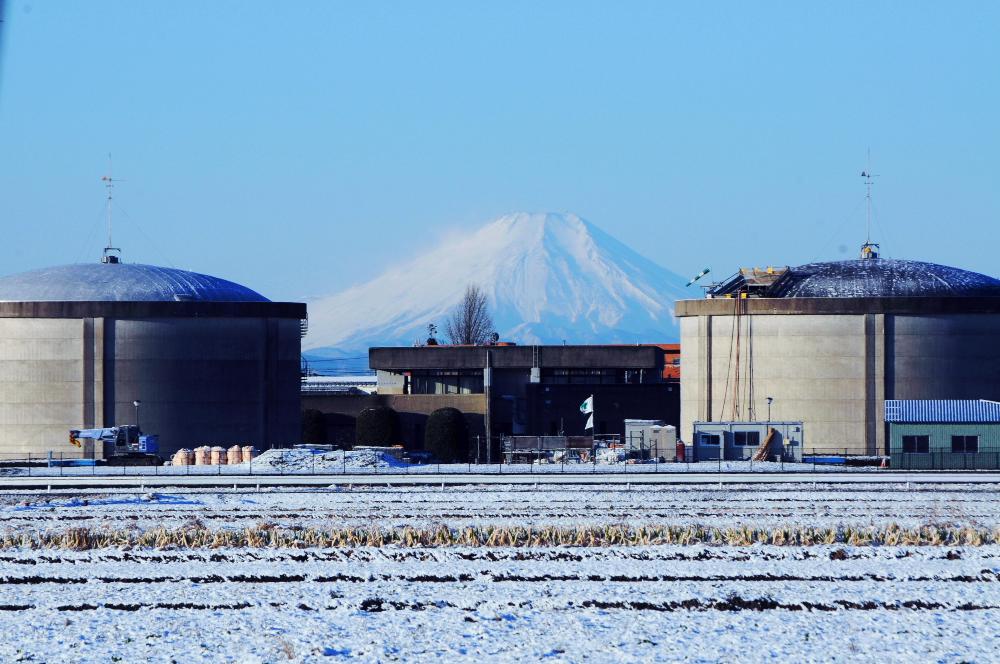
<point x="190" y="357"/>
<point x="962" y="434"/>
<point x="516" y="390"/>
<point x="827" y="344"/>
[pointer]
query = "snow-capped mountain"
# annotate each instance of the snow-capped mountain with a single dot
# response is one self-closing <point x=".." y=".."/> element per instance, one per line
<point x="549" y="278"/>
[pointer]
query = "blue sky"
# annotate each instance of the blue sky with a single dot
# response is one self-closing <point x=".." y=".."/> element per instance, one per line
<point x="302" y="147"/>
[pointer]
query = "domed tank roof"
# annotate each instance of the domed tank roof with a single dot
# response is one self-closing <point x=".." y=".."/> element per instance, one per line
<point x="883" y="277"/>
<point x="120" y="282"/>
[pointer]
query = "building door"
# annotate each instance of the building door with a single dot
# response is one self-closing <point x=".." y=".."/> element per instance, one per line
<point x="709" y="446"/>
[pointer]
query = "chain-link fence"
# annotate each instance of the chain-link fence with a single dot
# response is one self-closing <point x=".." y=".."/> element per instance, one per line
<point x="575" y="455"/>
<point x="986" y="458"/>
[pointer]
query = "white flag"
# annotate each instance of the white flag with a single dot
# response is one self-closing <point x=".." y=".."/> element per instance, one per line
<point x="590" y="422"/>
<point x="588" y="405"/>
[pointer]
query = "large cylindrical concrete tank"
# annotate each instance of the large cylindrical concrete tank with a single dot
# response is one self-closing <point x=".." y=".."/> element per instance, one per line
<point x="830" y="342"/>
<point x="210" y="361"/>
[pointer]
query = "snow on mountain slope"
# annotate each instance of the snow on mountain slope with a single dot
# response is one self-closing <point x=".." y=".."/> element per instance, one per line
<point x="549" y="278"/>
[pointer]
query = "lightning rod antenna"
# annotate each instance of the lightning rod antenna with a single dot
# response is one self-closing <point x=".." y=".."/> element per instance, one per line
<point x="109" y="251"/>
<point x="869" y="249"/>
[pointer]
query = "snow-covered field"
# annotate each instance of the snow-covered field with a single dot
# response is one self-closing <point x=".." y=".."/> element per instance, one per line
<point x="697" y="602"/>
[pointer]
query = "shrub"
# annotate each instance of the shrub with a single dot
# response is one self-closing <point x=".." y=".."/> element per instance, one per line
<point x="313" y="427"/>
<point x="378" y="426"/>
<point x="447" y="435"/>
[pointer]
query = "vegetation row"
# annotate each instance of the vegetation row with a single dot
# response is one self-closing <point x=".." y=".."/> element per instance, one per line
<point x="81" y="539"/>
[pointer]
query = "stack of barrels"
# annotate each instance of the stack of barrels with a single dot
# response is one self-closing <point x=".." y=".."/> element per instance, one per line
<point x="213" y="456"/>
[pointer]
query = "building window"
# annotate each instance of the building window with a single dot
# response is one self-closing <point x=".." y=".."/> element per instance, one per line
<point x="446" y="382"/>
<point x="965" y="444"/>
<point x="710" y="439"/>
<point x="746" y="438"/>
<point x="916" y="444"/>
<point x="586" y="376"/>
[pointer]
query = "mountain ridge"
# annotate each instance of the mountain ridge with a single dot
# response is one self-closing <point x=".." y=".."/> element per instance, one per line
<point x="549" y="278"/>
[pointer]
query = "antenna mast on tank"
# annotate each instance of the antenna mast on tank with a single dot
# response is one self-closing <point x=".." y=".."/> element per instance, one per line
<point x="109" y="251"/>
<point x="869" y="249"/>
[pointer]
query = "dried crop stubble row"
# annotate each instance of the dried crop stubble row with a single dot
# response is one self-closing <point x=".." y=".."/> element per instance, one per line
<point x="491" y="536"/>
<point x="365" y="555"/>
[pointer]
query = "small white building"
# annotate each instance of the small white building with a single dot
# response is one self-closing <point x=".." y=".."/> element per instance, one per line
<point x="650" y="438"/>
<point x="741" y="440"/>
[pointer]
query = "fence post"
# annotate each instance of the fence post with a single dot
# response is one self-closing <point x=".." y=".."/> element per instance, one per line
<point x="29" y="464"/>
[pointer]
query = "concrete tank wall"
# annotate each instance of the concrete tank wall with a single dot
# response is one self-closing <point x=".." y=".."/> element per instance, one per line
<point x="216" y="381"/>
<point x="834" y="371"/>
<point x="813" y="367"/>
<point x="200" y="380"/>
<point x="42" y="383"/>
<point x="944" y="357"/>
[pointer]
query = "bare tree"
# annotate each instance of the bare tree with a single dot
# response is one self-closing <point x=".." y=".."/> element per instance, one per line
<point x="470" y="323"/>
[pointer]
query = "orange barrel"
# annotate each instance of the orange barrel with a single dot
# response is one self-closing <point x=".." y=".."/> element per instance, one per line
<point x="680" y="451"/>
<point x="182" y="457"/>
<point x="234" y="455"/>
<point x="217" y="456"/>
<point x="201" y="456"/>
<point x="247" y="453"/>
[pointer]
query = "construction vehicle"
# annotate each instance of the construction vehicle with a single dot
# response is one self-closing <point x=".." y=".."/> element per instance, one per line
<point x="123" y="445"/>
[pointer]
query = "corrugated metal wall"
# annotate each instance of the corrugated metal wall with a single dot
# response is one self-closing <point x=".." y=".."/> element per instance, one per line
<point x="940" y="454"/>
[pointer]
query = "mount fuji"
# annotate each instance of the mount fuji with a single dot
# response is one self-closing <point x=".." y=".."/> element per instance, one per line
<point x="549" y="278"/>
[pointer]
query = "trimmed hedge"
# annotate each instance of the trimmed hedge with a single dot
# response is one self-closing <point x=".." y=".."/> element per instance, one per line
<point x="313" y="427"/>
<point x="447" y="435"/>
<point x="377" y="426"/>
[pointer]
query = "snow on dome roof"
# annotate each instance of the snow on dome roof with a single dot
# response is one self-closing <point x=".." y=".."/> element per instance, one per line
<point x="883" y="277"/>
<point x="120" y="282"/>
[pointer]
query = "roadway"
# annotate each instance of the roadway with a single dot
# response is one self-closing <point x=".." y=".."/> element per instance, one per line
<point x="252" y="482"/>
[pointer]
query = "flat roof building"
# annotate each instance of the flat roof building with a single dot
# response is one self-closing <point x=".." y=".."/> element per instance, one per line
<point x="515" y="390"/>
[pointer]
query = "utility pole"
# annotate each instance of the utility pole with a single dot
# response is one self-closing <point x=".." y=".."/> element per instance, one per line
<point x="488" y="394"/>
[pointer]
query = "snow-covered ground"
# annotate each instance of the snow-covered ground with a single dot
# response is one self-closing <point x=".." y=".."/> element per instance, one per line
<point x="500" y="603"/>
<point x="307" y="462"/>
<point x="663" y="603"/>
<point x="457" y="507"/>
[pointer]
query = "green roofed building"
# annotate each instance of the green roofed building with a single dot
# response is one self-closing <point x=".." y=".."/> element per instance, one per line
<point x="956" y="434"/>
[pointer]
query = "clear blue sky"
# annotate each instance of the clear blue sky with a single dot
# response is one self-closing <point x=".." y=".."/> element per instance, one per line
<point x="301" y="147"/>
